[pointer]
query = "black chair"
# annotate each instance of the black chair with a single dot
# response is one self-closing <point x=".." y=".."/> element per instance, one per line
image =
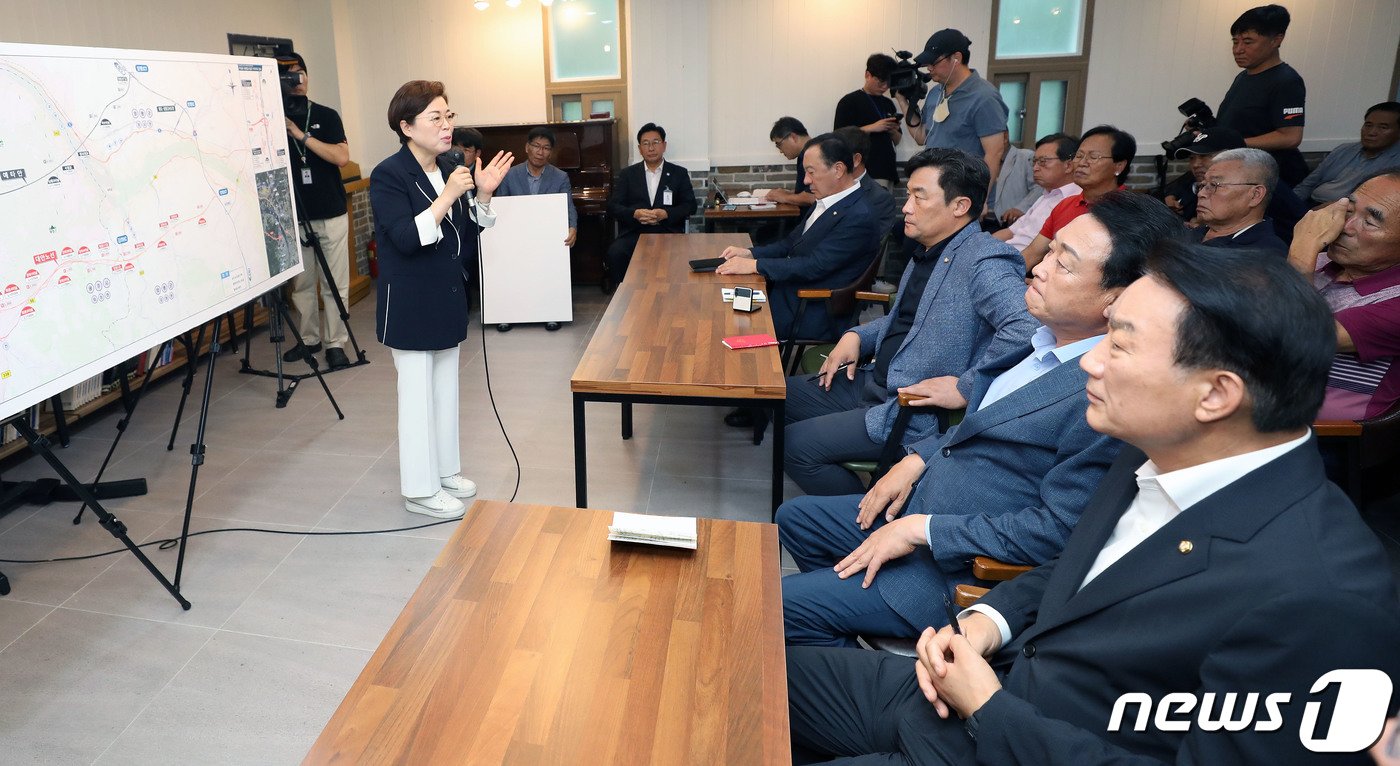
<point x="841" y="304"/>
<point x="1372" y="446"/>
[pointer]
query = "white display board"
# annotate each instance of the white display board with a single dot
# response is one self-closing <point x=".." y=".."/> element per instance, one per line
<point x="525" y="265"/>
<point x="142" y="193"/>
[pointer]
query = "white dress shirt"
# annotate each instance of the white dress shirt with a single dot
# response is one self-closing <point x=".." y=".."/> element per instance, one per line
<point x="430" y="231"/>
<point x="1025" y="228"/>
<point x="653" y="180"/>
<point x="826" y="203"/>
<point x="1162" y="497"/>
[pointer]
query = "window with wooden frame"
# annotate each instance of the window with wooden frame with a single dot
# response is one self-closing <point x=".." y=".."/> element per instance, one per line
<point x="1040" y="64"/>
<point x="585" y="60"/>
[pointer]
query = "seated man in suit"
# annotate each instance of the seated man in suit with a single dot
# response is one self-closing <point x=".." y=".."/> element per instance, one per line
<point x="1009" y="481"/>
<point x="1214" y="563"/>
<point x="1359" y="277"/>
<point x="960" y="305"/>
<point x="1231" y="201"/>
<point x="877" y="197"/>
<point x="651" y="197"/>
<point x="536" y="176"/>
<point x="828" y="250"/>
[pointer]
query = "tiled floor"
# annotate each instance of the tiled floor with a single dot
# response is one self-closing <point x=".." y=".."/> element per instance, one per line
<point x="99" y="665"/>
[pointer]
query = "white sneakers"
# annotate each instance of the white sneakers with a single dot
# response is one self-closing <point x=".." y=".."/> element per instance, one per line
<point x="439" y="506"/>
<point x="459" y="487"/>
<point x="447" y="502"/>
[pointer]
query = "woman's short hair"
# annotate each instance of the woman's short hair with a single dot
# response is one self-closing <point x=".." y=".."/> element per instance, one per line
<point x="410" y="100"/>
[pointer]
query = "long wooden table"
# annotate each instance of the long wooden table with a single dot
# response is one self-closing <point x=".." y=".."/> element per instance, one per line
<point x="534" y="640"/>
<point x="659" y="343"/>
<point x="746" y="214"/>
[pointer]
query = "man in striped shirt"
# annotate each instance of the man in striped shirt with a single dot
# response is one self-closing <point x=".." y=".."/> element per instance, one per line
<point x="1359" y="276"/>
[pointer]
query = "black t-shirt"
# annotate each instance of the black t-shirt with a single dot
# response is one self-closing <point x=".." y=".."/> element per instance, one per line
<point x="1260" y="103"/>
<point x="859" y="108"/>
<point x="909" y="299"/>
<point x="324" y="197"/>
<point x="801" y="185"/>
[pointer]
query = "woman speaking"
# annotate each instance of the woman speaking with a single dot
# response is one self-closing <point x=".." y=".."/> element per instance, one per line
<point x="426" y="222"/>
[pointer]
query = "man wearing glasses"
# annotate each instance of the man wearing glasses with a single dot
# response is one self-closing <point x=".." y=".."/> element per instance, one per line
<point x="1052" y="170"/>
<point x="962" y="111"/>
<point x="537" y="176"/>
<point x="1099" y="166"/>
<point x="651" y="197"/>
<point x="1231" y="201"/>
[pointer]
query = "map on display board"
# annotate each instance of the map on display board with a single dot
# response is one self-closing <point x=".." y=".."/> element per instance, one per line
<point x="141" y="194"/>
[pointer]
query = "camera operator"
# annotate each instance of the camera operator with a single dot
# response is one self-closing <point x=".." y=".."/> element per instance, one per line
<point x="963" y="111"/>
<point x="870" y="110"/>
<point x="318" y="152"/>
<point x="1265" y="102"/>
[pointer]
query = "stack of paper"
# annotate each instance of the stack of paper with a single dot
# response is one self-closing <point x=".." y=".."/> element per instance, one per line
<point x="673" y="531"/>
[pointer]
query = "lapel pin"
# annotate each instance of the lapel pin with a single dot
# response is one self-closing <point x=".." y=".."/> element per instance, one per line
<point x="947" y="260"/>
<point x="1184" y="547"/>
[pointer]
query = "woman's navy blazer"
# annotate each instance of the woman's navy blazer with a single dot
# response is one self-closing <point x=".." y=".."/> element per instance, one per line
<point x="422" y="291"/>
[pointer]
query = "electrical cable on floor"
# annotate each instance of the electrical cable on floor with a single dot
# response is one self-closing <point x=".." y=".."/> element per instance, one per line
<point x="168" y="543"/>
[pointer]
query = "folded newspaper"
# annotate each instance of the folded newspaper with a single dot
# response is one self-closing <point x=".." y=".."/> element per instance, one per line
<point x="672" y="531"/>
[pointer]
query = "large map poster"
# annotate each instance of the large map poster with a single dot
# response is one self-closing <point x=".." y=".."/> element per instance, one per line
<point x="141" y="194"/>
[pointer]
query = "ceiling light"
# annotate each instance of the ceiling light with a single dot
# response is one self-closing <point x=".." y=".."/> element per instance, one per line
<point x="512" y="3"/>
<point x="481" y="5"/>
<point x="546" y="3"/>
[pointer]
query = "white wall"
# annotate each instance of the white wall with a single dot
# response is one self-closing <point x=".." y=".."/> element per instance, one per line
<point x="669" y="61"/>
<point x="1150" y="55"/>
<point x="799" y="57"/>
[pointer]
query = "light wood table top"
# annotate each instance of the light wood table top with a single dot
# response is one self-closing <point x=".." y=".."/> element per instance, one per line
<point x="661" y="333"/>
<point x="535" y="640"/>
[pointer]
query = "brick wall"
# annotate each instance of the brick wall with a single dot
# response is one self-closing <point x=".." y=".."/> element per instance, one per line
<point x="362" y="227"/>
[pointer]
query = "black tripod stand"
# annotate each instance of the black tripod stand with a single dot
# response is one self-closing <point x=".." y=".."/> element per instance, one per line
<point x="308" y="237"/>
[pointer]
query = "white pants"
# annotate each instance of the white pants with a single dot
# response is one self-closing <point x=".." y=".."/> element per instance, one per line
<point x="428" y="446"/>
<point x="318" y="323"/>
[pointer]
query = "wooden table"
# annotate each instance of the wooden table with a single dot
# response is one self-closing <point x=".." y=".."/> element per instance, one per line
<point x="659" y="343"/>
<point x="745" y="214"/>
<point x="535" y="640"/>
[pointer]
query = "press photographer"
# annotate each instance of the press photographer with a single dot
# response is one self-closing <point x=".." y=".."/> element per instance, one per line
<point x="316" y="138"/>
<point x="1265" y="102"/>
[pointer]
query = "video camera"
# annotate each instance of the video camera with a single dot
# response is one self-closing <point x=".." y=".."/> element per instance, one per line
<point x="908" y="81"/>
<point x="1198" y="117"/>
<point x="295" y="107"/>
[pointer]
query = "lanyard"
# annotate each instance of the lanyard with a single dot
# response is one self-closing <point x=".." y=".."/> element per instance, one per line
<point x="301" y="145"/>
<point x="879" y="113"/>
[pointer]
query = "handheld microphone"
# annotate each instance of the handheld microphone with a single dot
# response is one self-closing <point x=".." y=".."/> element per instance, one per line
<point x="458" y="159"/>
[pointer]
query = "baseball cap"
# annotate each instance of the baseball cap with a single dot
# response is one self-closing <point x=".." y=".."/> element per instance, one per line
<point x="942" y="43"/>
<point x="1212" y="140"/>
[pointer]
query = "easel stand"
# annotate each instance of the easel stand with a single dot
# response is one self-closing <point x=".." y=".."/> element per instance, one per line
<point x="40" y="445"/>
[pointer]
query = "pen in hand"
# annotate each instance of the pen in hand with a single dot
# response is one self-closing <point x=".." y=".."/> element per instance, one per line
<point x="818" y="376"/>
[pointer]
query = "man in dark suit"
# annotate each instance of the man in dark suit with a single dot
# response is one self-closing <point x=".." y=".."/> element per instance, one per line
<point x="651" y="197"/>
<point x="1008" y="482"/>
<point x="877" y="197"/>
<point x="828" y="250"/>
<point x="961" y="303"/>
<point x="1213" y="580"/>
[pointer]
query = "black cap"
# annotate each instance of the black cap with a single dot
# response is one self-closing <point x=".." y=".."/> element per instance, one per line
<point x="943" y="43"/>
<point x="1212" y="140"/>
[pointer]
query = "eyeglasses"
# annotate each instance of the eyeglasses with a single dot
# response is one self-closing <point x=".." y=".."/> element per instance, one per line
<point x="650" y="143"/>
<point x="778" y="143"/>
<point x="1090" y="157"/>
<point x="1214" y="186"/>
<point x="437" y="120"/>
<point x="1041" y="162"/>
<point x="540" y="147"/>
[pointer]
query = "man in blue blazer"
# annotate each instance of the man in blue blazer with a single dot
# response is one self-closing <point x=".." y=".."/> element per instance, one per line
<point x="828" y="250"/>
<point x="651" y="197"/>
<point x="960" y="305"/>
<point x="1217" y="594"/>
<point x="537" y="176"/>
<point x="1008" y="482"/>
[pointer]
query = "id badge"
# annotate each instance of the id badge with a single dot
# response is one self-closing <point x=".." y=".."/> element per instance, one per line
<point x="306" y="176"/>
<point x="666" y="197"/>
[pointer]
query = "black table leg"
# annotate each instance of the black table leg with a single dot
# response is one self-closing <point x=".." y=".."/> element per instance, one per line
<point x="580" y="455"/>
<point x="626" y="420"/>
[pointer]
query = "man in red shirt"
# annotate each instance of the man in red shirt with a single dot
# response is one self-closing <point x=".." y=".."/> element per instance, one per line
<point x="1359" y="276"/>
<point x="1099" y="167"/>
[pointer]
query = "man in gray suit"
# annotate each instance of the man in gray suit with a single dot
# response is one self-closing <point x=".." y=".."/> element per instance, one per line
<point x="959" y="306"/>
<point x="877" y="197"/>
<point x="1008" y="482"/>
